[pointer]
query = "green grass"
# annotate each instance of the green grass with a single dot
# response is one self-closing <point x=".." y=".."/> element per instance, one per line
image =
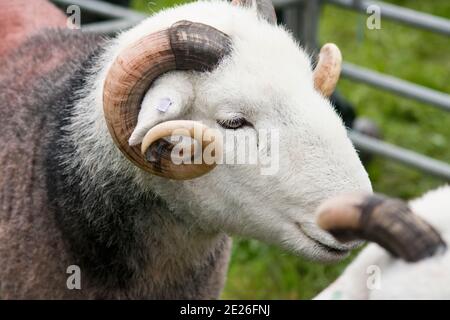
<point x="150" y="6"/>
<point x="258" y="271"/>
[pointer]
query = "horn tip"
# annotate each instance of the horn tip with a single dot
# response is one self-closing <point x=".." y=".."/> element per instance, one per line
<point x="340" y="212"/>
<point x="332" y="50"/>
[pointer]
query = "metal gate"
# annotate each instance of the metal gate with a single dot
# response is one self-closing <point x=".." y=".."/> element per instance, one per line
<point x="302" y="17"/>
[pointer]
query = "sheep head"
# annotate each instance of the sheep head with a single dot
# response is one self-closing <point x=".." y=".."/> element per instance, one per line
<point x="229" y="70"/>
<point x="183" y="46"/>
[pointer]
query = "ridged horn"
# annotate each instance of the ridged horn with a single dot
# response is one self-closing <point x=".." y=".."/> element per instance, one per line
<point x="264" y="8"/>
<point x="161" y="158"/>
<point x="184" y="46"/>
<point x="328" y="69"/>
<point x="388" y="222"/>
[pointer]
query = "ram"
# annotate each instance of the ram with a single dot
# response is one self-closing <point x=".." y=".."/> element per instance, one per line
<point x="409" y="260"/>
<point x="77" y="190"/>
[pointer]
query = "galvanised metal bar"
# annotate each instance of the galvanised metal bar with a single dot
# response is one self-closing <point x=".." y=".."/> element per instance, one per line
<point x="426" y="164"/>
<point x="109" y="27"/>
<point x="104" y="9"/>
<point x="303" y="21"/>
<point x="404" y="15"/>
<point x="282" y="4"/>
<point x="396" y="85"/>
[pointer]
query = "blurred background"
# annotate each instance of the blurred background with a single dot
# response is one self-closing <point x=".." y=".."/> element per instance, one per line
<point x="258" y="271"/>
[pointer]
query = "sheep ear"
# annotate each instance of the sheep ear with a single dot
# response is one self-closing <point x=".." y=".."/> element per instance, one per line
<point x="168" y="98"/>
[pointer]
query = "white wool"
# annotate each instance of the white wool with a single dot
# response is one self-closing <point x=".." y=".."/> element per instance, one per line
<point x="174" y="86"/>
<point x="267" y="79"/>
<point x="426" y="279"/>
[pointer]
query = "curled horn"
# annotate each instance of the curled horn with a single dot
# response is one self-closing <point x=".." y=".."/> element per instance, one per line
<point x="388" y="222"/>
<point x="328" y="69"/>
<point x="193" y="129"/>
<point x="264" y="8"/>
<point x="184" y="46"/>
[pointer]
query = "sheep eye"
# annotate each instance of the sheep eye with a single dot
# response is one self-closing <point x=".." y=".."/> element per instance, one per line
<point x="234" y="123"/>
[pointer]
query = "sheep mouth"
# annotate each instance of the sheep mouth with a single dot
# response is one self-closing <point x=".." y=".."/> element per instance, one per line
<point x="337" y="251"/>
<point x="332" y="250"/>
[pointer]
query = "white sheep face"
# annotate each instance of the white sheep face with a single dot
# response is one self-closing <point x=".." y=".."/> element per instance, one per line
<point x="268" y="81"/>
